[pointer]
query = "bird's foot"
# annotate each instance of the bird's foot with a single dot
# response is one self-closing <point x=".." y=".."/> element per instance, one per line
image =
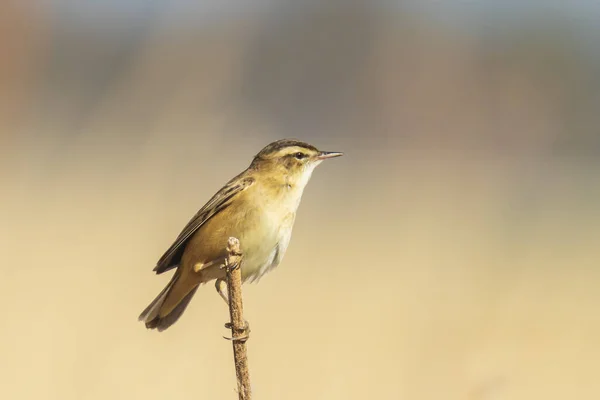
<point x="246" y="326"/>
<point x="231" y="267"/>
<point x="244" y="333"/>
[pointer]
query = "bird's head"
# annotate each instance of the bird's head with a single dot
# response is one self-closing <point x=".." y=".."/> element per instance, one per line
<point x="291" y="160"/>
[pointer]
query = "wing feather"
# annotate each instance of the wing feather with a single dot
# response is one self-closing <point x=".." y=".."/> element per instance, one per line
<point x="221" y="200"/>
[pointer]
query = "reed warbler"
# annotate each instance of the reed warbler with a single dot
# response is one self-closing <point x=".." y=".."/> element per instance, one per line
<point x="258" y="207"/>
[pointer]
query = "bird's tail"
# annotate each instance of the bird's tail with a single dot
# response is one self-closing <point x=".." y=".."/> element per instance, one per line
<point x="169" y="305"/>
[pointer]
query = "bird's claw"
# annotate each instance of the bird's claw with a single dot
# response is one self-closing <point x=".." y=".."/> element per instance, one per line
<point x="245" y="332"/>
<point x="233" y="267"/>
<point x="242" y="338"/>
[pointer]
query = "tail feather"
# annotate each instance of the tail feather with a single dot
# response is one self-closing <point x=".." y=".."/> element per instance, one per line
<point x="162" y="323"/>
<point x="152" y="314"/>
<point x="153" y="308"/>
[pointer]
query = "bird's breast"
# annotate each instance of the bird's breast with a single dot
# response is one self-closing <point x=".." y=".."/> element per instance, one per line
<point x="265" y="244"/>
<point x="268" y="230"/>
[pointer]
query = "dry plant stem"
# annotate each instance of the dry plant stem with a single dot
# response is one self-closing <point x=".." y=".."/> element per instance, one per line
<point x="238" y="325"/>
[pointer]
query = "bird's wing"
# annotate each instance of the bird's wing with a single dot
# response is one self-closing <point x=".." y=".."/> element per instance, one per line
<point x="221" y="200"/>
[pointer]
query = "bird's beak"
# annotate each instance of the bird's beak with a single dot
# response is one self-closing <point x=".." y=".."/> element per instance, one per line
<point x="328" y="154"/>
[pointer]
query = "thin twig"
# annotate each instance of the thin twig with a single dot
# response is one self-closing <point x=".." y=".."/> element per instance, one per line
<point x="239" y="328"/>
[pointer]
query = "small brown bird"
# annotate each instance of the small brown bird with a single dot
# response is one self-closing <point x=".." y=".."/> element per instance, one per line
<point x="258" y="207"/>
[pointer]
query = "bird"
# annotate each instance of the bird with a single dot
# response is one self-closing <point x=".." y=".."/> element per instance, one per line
<point x="258" y="207"/>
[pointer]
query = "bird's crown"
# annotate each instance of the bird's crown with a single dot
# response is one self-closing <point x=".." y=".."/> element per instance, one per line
<point x="283" y="147"/>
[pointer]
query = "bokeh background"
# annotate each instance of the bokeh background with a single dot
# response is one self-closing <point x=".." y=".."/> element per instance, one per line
<point x="453" y="253"/>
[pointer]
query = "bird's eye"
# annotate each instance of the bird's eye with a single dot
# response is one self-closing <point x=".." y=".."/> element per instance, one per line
<point x="299" y="155"/>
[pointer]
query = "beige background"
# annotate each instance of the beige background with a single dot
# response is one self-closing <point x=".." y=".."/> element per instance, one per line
<point x="451" y="254"/>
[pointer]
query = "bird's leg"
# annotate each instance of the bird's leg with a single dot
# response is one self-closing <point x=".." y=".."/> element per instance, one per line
<point x="200" y="266"/>
<point x="221" y="287"/>
<point x="232" y="263"/>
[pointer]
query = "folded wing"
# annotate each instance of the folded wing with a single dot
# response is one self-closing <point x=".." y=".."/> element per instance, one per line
<point x="221" y="200"/>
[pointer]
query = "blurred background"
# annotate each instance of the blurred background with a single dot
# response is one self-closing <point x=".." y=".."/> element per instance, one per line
<point x="453" y="253"/>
